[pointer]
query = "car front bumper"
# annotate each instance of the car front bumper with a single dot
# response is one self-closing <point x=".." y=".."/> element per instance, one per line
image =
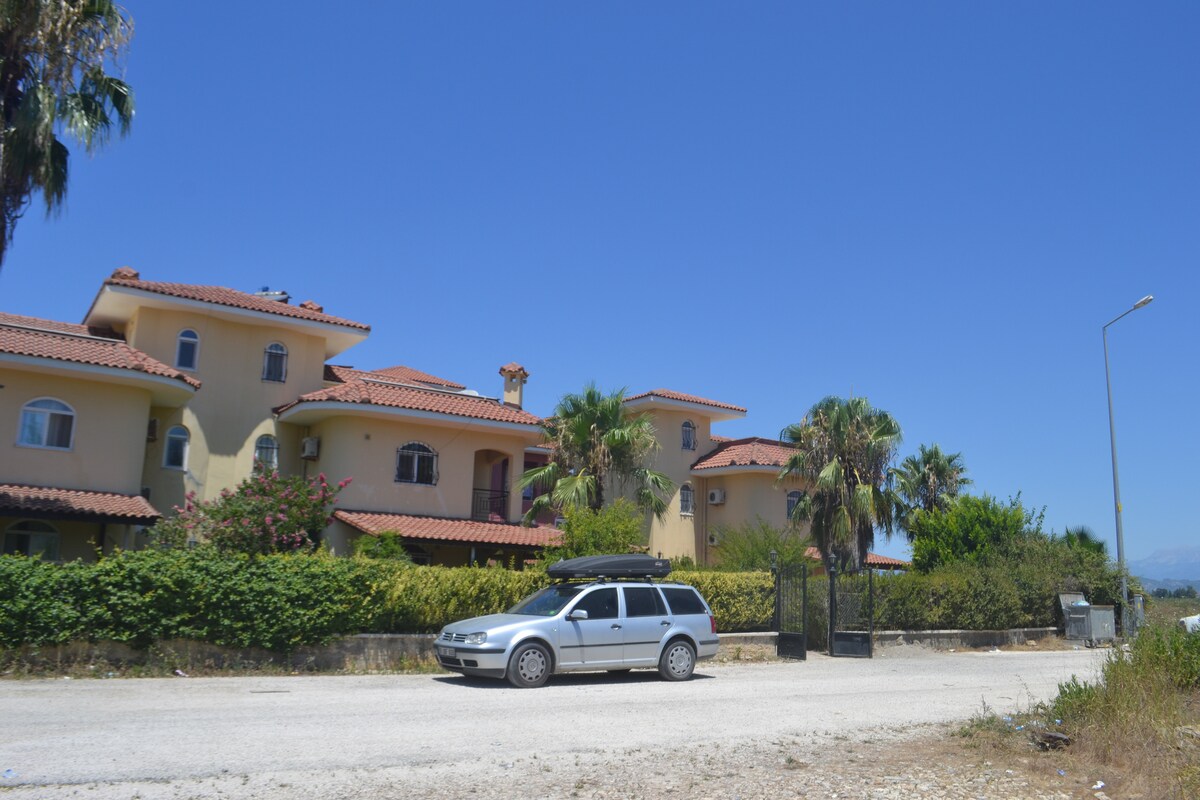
<point x="483" y="661"/>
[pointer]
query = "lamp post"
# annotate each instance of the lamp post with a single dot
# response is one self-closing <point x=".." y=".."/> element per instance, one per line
<point x="1112" y="435"/>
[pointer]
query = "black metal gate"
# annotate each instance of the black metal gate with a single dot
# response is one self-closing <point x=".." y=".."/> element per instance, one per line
<point x="851" y="613"/>
<point x="791" y="595"/>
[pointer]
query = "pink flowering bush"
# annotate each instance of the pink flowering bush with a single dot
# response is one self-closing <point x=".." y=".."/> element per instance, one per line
<point x="266" y="513"/>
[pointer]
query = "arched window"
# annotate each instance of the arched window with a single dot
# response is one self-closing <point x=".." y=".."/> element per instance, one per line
<point x="176" y="452"/>
<point x="275" y="363"/>
<point x="689" y="435"/>
<point x="31" y="538"/>
<point x="266" y="453"/>
<point x="47" y="422"/>
<point x="687" y="500"/>
<point x="793" y="499"/>
<point x="416" y="463"/>
<point x="187" y="349"/>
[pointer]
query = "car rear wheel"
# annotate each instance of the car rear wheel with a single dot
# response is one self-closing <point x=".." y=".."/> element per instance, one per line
<point x="677" y="661"/>
<point x="529" y="666"/>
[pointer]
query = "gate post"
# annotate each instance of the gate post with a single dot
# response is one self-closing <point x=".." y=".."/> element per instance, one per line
<point x="831" y="569"/>
<point x="778" y="614"/>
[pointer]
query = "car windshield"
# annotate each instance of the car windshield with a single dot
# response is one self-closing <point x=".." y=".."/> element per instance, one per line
<point x="547" y="602"/>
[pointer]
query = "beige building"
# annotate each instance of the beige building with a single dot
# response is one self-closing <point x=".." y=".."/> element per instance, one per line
<point x="719" y="482"/>
<point x="169" y="389"/>
<point x="74" y="407"/>
<point x="172" y="389"/>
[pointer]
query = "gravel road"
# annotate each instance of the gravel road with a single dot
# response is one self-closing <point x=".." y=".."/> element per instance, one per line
<point x="748" y="730"/>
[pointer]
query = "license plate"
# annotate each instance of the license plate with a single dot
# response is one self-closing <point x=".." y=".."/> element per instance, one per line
<point x="448" y="652"/>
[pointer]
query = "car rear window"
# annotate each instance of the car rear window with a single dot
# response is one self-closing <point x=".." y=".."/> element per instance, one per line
<point x="684" y="601"/>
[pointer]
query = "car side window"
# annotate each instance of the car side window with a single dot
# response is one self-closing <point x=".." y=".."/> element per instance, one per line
<point x="684" y="601"/>
<point x="600" y="604"/>
<point x="643" y="601"/>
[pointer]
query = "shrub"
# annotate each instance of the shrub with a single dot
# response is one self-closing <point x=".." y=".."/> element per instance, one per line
<point x="748" y="546"/>
<point x="614" y="529"/>
<point x="967" y="529"/>
<point x="387" y="545"/>
<point x="266" y="513"/>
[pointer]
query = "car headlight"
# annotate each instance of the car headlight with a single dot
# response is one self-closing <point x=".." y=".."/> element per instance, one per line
<point x="476" y="638"/>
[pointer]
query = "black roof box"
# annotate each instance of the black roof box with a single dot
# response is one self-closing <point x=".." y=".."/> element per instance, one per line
<point x="629" y="566"/>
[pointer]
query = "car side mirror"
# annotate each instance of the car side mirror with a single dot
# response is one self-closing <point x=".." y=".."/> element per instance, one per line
<point x="578" y="613"/>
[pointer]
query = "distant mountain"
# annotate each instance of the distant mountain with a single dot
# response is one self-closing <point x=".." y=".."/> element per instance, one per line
<point x="1170" y="584"/>
<point x="1180" y="565"/>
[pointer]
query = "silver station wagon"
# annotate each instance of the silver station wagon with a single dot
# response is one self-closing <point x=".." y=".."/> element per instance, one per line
<point x="605" y="613"/>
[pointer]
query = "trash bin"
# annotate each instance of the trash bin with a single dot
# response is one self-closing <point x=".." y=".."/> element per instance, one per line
<point x="1086" y="622"/>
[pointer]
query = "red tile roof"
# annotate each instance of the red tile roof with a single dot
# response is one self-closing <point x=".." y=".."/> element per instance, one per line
<point x="221" y="296"/>
<point x="397" y="374"/>
<point x="873" y="560"/>
<point x="75" y="503"/>
<point x="750" y="452"/>
<point x="78" y="344"/>
<point x="467" y="531"/>
<point x="667" y="394"/>
<point x="720" y="439"/>
<point x="362" y="389"/>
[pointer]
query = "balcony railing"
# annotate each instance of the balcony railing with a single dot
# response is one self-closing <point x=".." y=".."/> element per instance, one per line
<point x="489" y="505"/>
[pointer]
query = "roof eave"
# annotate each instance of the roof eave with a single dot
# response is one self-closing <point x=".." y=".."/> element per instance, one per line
<point x="654" y="402"/>
<point x="164" y="391"/>
<point x="308" y="412"/>
<point x="735" y="469"/>
<point x="117" y="304"/>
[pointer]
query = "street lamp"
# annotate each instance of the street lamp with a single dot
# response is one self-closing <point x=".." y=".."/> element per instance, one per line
<point x="1112" y="435"/>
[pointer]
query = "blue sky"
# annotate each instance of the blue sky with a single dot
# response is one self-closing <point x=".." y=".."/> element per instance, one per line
<point x="935" y="205"/>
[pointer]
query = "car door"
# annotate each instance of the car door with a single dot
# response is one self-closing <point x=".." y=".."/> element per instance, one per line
<point x="645" y="624"/>
<point x="598" y="638"/>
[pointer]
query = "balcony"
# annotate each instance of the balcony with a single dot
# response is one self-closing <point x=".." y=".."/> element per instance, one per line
<point x="489" y="505"/>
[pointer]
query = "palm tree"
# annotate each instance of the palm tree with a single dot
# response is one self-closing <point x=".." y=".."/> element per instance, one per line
<point x="925" y="482"/>
<point x="843" y="451"/>
<point x="53" y="55"/>
<point x="595" y="441"/>
<point x="1084" y="538"/>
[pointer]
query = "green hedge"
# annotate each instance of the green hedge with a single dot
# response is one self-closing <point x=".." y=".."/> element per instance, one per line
<point x="280" y="602"/>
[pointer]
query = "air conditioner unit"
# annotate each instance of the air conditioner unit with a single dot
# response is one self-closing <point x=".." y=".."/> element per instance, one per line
<point x="714" y="539"/>
<point x="716" y="497"/>
<point x="310" y="448"/>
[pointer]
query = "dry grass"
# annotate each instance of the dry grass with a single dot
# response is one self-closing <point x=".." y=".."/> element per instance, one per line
<point x="1139" y="727"/>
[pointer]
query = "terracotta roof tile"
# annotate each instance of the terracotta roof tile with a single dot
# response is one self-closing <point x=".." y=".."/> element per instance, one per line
<point x="64" y="341"/>
<point x="405" y="374"/>
<point x="452" y="530"/>
<point x="720" y="439"/>
<point x="221" y="296"/>
<point x="873" y="560"/>
<point x="364" y="389"/>
<point x="75" y="503"/>
<point x="667" y="394"/>
<point x="751" y="452"/>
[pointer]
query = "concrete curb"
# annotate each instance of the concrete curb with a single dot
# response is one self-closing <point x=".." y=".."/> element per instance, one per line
<point x="386" y="652"/>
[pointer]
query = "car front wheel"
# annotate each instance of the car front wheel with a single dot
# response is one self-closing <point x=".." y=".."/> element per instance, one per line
<point x="529" y="666"/>
<point x="677" y="661"/>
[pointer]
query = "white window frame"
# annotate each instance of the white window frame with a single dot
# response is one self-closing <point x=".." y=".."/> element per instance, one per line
<point x="280" y="351"/>
<point x="268" y="443"/>
<point x="688" y="509"/>
<point x="687" y="433"/>
<point x="194" y="341"/>
<point x="187" y="446"/>
<point x="416" y="456"/>
<point x="31" y="409"/>
<point x="51" y="535"/>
